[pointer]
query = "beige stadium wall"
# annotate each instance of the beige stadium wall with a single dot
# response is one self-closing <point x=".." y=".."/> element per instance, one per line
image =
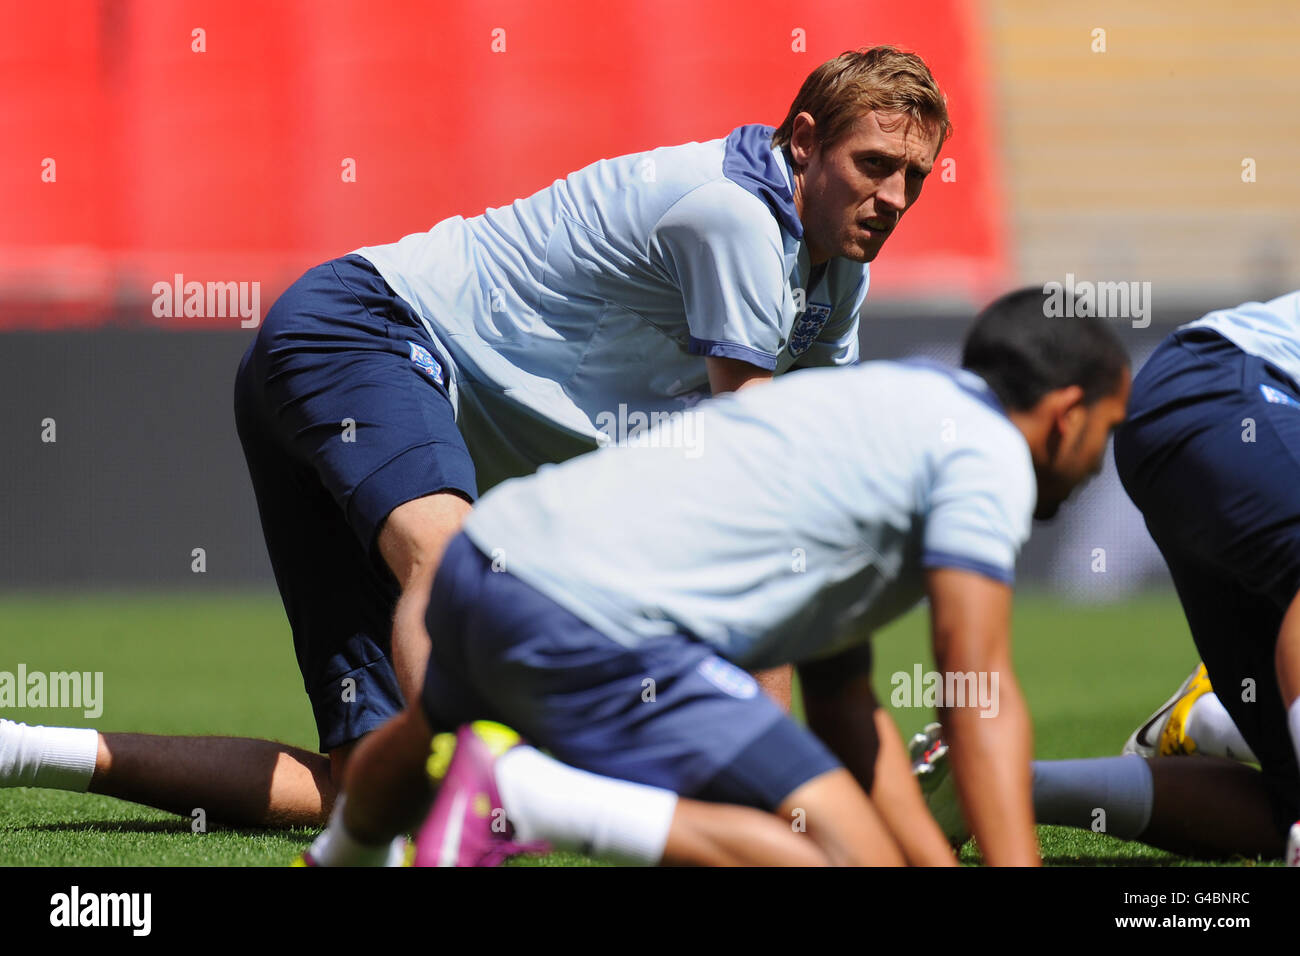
<point x="1127" y="154"/>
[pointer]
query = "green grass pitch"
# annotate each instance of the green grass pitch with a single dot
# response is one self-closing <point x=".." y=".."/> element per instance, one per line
<point x="224" y="665"/>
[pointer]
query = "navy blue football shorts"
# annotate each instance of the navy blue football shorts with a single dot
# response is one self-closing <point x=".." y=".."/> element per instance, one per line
<point x="669" y="713"/>
<point x="343" y="411"/>
<point x="1210" y="454"/>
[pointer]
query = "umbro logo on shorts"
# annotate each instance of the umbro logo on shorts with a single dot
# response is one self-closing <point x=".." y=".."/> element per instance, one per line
<point x="728" y="678"/>
<point x="1277" y="397"/>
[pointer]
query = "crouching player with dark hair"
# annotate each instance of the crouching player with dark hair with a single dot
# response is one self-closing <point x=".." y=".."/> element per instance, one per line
<point x="608" y="609"/>
<point x="1211" y="457"/>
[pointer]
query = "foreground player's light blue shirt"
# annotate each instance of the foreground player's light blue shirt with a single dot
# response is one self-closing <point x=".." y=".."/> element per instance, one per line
<point x="601" y="295"/>
<point x="782" y="523"/>
<point x="1270" y="330"/>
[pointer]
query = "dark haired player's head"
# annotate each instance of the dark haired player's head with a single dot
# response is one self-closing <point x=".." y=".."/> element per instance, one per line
<point x="1064" y="382"/>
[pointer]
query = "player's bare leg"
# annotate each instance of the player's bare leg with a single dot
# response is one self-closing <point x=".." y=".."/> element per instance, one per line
<point x="1197" y="805"/>
<point x="1210" y="807"/>
<point x="828" y="821"/>
<point x="719" y="834"/>
<point x="233" y="780"/>
<point x="251" y="782"/>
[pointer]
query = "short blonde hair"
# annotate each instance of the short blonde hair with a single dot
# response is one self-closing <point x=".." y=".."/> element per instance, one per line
<point x="881" y="79"/>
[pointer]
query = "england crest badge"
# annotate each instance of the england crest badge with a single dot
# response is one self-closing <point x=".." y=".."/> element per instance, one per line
<point x="807" y="326"/>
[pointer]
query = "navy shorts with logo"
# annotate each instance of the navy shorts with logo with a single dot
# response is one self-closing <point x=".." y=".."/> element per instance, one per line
<point x="1210" y="454"/>
<point x="343" y="412"/>
<point x="669" y="713"/>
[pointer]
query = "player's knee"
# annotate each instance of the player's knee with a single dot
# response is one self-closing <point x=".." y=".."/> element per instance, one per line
<point x="840" y="820"/>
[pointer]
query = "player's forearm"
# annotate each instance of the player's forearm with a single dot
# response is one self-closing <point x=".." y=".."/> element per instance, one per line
<point x="865" y="739"/>
<point x="388" y="790"/>
<point x="898" y="798"/>
<point x="1287" y="664"/>
<point x="991" y="768"/>
<point x="410" y="639"/>
<point x="1287" y="656"/>
<point x="731" y="375"/>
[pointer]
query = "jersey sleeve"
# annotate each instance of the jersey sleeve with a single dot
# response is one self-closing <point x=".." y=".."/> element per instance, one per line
<point x="981" y="508"/>
<point x="723" y="248"/>
<point x="838" y="342"/>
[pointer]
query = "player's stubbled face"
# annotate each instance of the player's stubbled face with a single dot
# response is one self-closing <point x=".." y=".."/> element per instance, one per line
<point x="855" y="191"/>
<point x="1081" y="451"/>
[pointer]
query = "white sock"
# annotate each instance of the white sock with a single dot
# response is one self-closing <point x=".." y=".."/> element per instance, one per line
<point x="1211" y="726"/>
<point x="54" y="758"/>
<point x="574" y="809"/>
<point x="337" y="847"/>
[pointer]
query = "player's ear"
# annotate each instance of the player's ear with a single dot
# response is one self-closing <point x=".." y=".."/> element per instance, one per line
<point x="803" y="138"/>
<point x="1062" y="414"/>
<point x="1068" y="412"/>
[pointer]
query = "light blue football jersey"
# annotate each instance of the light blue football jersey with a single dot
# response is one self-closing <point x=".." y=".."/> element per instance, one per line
<point x="783" y="523"/>
<point x="1270" y="330"/>
<point x="601" y="295"/>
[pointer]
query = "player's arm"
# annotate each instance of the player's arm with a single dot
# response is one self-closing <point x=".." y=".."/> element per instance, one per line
<point x="841" y="708"/>
<point x="731" y="375"/>
<point x="723" y="250"/>
<point x="990" y="747"/>
<point x="1287" y="663"/>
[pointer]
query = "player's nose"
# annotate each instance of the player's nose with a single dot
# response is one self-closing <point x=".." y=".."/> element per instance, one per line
<point x="891" y="197"/>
